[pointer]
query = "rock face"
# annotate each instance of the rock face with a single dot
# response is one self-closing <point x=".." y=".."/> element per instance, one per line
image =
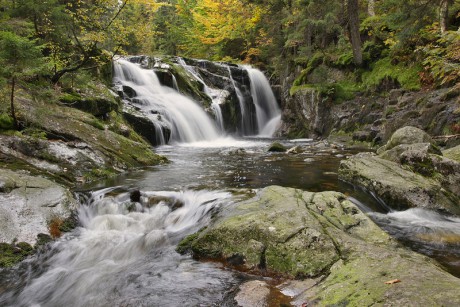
<point x="408" y="172"/>
<point x="28" y="204"/>
<point x="70" y="145"/>
<point x="323" y="236"/>
<point x="372" y="119"/>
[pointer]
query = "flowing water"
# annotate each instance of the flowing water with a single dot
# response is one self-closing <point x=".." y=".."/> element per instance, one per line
<point x="123" y="252"/>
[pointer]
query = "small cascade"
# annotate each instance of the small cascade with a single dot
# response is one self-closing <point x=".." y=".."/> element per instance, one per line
<point x="246" y="118"/>
<point x="214" y="94"/>
<point x="267" y="109"/>
<point x="164" y="106"/>
<point x="124" y="254"/>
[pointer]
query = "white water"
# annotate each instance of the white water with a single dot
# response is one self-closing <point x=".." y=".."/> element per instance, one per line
<point x="216" y="95"/>
<point x="267" y="111"/>
<point x="124" y="255"/>
<point x="188" y="122"/>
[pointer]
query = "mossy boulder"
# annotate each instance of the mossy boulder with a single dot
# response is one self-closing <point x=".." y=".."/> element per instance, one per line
<point x="406" y="135"/>
<point x="95" y="99"/>
<point x="323" y="238"/>
<point x="277" y="147"/>
<point x="284" y="231"/>
<point x="409" y="171"/>
<point x="452" y="153"/>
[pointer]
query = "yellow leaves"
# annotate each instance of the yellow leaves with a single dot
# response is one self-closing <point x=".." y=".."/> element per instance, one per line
<point x="216" y="21"/>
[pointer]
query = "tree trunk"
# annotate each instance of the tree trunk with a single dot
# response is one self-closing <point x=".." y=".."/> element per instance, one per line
<point x="371" y="7"/>
<point x="13" y="111"/>
<point x="353" y="23"/>
<point x="443" y="15"/>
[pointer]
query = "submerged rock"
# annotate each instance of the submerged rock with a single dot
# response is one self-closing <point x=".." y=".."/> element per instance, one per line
<point x="253" y="294"/>
<point x="326" y="239"/>
<point x="277" y="147"/>
<point x="28" y="207"/>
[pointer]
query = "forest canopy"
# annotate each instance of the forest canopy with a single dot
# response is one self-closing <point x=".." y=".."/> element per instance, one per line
<point x="358" y="36"/>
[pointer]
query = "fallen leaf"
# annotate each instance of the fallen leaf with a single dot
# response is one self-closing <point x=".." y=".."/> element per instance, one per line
<point x="393" y="281"/>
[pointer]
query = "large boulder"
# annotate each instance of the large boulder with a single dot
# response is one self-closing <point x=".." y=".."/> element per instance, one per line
<point x="344" y="257"/>
<point x="410" y="171"/>
<point x="28" y="204"/>
<point x="406" y="135"/>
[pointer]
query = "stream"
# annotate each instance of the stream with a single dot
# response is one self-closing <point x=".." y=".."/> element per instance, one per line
<point x="123" y="253"/>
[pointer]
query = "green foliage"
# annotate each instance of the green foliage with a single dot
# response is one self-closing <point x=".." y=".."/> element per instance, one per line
<point x="442" y="58"/>
<point x="6" y="122"/>
<point x="19" y="56"/>
<point x="406" y="76"/>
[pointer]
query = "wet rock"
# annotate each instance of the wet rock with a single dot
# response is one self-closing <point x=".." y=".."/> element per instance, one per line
<point x="277" y="147"/>
<point x="26" y="210"/>
<point x="172" y="202"/>
<point x="253" y="294"/>
<point x="323" y="237"/>
<point x="135" y="196"/>
<point x="408" y="172"/>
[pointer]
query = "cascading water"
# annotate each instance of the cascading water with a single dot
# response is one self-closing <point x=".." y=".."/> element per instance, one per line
<point x="267" y="111"/>
<point x="187" y="121"/>
<point x="246" y="126"/>
<point x="123" y="255"/>
<point x="214" y="94"/>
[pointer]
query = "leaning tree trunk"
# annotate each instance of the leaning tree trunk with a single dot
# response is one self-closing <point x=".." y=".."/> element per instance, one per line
<point x="353" y="23"/>
<point x="371" y="7"/>
<point x="13" y="111"/>
<point x="443" y="15"/>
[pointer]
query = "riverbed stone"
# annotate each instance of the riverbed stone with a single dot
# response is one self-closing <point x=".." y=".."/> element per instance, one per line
<point x="277" y="147"/>
<point x="253" y="293"/>
<point x="325" y="240"/>
<point x="29" y="205"/>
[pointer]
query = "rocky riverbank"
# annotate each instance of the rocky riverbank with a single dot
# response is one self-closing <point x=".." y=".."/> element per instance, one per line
<point x="67" y="140"/>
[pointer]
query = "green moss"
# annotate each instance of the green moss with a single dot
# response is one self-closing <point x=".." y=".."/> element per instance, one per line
<point x="383" y="69"/>
<point x="95" y="123"/>
<point x="6" y="122"/>
<point x="390" y="110"/>
<point x="99" y="173"/>
<point x="277" y="147"/>
<point x="312" y="63"/>
<point x="11" y="254"/>
<point x="185" y="245"/>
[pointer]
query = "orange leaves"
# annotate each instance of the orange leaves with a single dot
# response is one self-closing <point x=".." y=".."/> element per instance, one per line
<point x="393" y="281"/>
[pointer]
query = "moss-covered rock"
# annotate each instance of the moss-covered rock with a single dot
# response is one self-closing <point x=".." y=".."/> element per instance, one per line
<point x="409" y="172"/>
<point x="10" y="254"/>
<point x="406" y="135"/>
<point x="324" y="236"/>
<point x="276" y="147"/>
<point x="452" y="153"/>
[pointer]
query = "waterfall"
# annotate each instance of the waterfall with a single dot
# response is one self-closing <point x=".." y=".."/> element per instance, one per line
<point x="164" y="106"/>
<point x="267" y="111"/>
<point x="214" y="94"/>
<point x="246" y="127"/>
